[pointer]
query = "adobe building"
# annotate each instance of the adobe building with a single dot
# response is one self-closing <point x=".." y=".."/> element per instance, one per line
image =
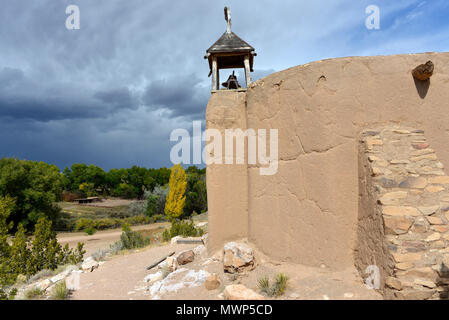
<point x="361" y="180"/>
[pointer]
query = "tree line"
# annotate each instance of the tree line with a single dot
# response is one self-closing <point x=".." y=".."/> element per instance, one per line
<point x="37" y="186"/>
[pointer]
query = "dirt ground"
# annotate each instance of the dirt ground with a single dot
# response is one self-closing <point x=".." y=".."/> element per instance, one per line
<point x="101" y="239"/>
<point x="122" y="278"/>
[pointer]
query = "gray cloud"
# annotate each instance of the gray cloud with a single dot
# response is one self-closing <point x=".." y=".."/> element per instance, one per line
<point x="111" y="92"/>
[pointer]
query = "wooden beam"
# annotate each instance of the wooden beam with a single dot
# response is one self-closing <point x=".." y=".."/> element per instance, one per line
<point x="247" y="71"/>
<point x="214" y="73"/>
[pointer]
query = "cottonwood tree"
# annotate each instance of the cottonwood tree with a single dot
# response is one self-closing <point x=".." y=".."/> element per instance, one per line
<point x="176" y="195"/>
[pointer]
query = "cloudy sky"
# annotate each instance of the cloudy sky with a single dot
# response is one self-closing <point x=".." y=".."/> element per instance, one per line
<point x="111" y="92"/>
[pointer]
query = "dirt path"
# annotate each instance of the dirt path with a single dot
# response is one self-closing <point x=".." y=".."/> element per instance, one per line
<point x="101" y="239"/>
<point x="121" y="277"/>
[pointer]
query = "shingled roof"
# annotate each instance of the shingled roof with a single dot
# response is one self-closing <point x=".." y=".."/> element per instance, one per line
<point x="230" y="42"/>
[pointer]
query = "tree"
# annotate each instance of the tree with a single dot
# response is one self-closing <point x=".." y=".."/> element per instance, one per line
<point x="6" y="208"/>
<point x="35" y="186"/>
<point x="176" y="194"/>
<point x="20" y="254"/>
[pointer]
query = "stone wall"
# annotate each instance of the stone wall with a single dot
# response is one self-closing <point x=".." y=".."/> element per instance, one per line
<point x="403" y="219"/>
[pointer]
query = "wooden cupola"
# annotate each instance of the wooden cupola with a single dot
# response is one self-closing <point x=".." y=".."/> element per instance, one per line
<point x="229" y="52"/>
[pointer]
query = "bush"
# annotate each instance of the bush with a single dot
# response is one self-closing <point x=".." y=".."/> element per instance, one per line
<point x="99" y="255"/>
<point x="33" y="293"/>
<point x="60" y="291"/>
<point x="277" y="289"/>
<point x="128" y="240"/>
<point x="131" y="239"/>
<point x="182" y="228"/>
<point x="90" y="231"/>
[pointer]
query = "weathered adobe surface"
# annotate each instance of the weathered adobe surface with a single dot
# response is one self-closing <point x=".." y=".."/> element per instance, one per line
<point x="307" y="213"/>
<point x="403" y="214"/>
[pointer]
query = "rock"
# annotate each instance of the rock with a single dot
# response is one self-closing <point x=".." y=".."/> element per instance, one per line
<point x="424" y="71"/>
<point x="434" y="189"/>
<point x="413" y="182"/>
<point x="60" y="276"/>
<point x="428" y="210"/>
<point x="89" y="265"/>
<point x="174" y="240"/>
<point x="406" y="257"/>
<point x="240" y="292"/>
<point x="397" y="225"/>
<point x="154" y="277"/>
<point x="414" y="294"/>
<point x="181" y="278"/>
<point x="205" y="238"/>
<point x="201" y="224"/>
<point x="212" y="282"/>
<point x="238" y="257"/>
<point x="186" y="257"/>
<point x="393" y="198"/>
<point x="425" y="283"/>
<point x="72" y="282"/>
<point x="439" y="180"/>
<point x="433" y="237"/>
<point x="435" y="220"/>
<point x="171" y="263"/>
<point x="199" y="250"/>
<point x="348" y="295"/>
<point x="420" y="146"/>
<point x="44" y="284"/>
<point x="400" y="211"/>
<point x="393" y="283"/>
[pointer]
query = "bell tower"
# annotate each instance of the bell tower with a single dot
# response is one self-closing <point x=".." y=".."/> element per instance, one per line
<point x="229" y="52"/>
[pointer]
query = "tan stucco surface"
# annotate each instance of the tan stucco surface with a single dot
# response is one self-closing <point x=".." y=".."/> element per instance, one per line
<point x="307" y="212"/>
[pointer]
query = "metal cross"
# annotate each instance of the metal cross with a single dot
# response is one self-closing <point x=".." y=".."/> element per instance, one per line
<point x="227" y="12"/>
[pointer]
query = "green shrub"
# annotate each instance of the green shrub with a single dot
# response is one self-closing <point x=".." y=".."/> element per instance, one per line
<point x="131" y="239"/>
<point x="90" y="231"/>
<point x="182" y="228"/>
<point x="277" y="289"/>
<point x="60" y="291"/>
<point x="33" y="293"/>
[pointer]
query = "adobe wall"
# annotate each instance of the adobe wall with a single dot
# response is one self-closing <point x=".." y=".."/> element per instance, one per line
<point x="227" y="185"/>
<point x="308" y="212"/>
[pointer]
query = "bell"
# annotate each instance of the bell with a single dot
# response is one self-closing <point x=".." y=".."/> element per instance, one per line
<point x="232" y="82"/>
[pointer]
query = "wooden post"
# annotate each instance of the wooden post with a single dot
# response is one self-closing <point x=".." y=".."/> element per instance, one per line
<point x="247" y="71"/>
<point x="214" y="73"/>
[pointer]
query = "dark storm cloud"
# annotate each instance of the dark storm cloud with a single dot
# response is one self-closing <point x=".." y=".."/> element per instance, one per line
<point x="111" y="92"/>
<point x="180" y="95"/>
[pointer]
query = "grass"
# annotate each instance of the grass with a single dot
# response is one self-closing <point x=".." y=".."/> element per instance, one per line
<point x="33" y="293"/>
<point x="60" y="291"/>
<point x="277" y="289"/>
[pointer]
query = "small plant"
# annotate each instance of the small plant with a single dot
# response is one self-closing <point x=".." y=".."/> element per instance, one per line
<point x="90" y="231"/>
<point x="33" y="293"/>
<point x="264" y="285"/>
<point x="60" y="291"/>
<point x="116" y="247"/>
<point x="131" y="239"/>
<point x="280" y="284"/>
<point x="277" y="289"/>
<point x="100" y="255"/>
<point x="182" y="228"/>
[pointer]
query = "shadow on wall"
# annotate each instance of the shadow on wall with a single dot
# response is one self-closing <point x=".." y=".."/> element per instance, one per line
<point x="422" y="86"/>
